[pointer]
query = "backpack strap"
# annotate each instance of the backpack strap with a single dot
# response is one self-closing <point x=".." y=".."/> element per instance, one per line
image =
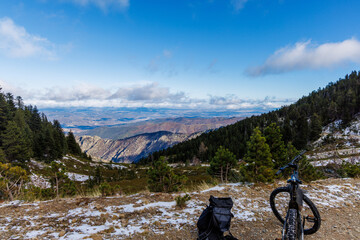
<point x="206" y="233"/>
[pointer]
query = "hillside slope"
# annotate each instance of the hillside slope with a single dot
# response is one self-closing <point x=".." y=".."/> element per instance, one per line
<point x="154" y="216"/>
<point x="300" y="123"/>
<point x="129" y="149"/>
<point x="337" y="144"/>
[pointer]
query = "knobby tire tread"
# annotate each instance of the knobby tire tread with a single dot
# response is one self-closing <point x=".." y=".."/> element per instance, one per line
<point x="292" y="225"/>
<point x="313" y="208"/>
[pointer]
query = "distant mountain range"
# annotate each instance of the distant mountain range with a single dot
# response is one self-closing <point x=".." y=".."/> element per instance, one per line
<point x="181" y="125"/>
<point x="131" y="142"/>
<point x="82" y="119"/>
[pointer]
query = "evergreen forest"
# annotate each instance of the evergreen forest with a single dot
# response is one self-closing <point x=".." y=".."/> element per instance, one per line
<point x="300" y="123"/>
<point x="26" y="133"/>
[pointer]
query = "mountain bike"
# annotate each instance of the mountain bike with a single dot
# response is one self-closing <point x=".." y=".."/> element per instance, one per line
<point x="293" y="225"/>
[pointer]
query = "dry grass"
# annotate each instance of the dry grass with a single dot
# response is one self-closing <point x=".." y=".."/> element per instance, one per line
<point x="204" y="186"/>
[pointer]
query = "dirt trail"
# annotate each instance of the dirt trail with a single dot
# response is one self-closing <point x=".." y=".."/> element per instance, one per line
<point x="155" y="216"/>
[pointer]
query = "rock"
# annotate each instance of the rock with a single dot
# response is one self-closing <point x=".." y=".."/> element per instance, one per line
<point x="124" y="222"/>
<point x="157" y="223"/>
<point x="96" y="237"/>
<point x="62" y="233"/>
<point x="109" y="230"/>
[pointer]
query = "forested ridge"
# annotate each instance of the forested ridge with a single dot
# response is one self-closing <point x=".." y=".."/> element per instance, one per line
<point x="300" y="123"/>
<point x="26" y="133"/>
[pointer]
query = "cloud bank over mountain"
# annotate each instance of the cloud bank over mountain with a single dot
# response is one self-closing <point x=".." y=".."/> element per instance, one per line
<point x="150" y="95"/>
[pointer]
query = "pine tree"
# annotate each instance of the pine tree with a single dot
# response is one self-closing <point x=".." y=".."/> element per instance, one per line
<point x="98" y="176"/>
<point x="73" y="146"/>
<point x="35" y="120"/>
<point x="163" y="179"/>
<point x="58" y="176"/>
<point x="3" y="113"/>
<point x="10" y="105"/>
<point x="259" y="166"/>
<point x="315" y="127"/>
<point x="49" y="144"/>
<point x="27" y="135"/>
<point x="14" y="143"/>
<point x="19" y="103"/>
<point x="2" y="156"/>
<point x="277" y="146"/>
<point x="222" y="163"/>
<point x="302" y="132"/>
<point x="60" y="140"/>
<point x="287" y="130"/>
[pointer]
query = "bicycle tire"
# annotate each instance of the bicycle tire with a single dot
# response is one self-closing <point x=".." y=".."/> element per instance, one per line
<point x="311" y="205"/>
<point x="292" y="225"/>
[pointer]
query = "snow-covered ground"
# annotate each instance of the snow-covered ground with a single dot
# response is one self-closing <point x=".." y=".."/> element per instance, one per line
<point x="335" y="153"/>
<point x="123" y="216"/>
<point x="338" y="161"/>
<point x="350" y="134"/>
<point x="345" y="149"/>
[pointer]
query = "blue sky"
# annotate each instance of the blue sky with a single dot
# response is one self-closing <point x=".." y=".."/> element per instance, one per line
<point x="217" y="54"/>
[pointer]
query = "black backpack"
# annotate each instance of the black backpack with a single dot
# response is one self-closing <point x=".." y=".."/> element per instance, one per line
<point x="215" y="220"/>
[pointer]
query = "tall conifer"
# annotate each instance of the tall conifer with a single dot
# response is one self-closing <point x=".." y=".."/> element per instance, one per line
<point x="259" y="165"/>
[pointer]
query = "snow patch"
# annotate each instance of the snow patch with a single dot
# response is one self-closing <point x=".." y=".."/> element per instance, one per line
<point x="77" y="177"/>
<point x="216" y="188"/>
<point x="34" y="234"/>
<point x="39" y="181"/>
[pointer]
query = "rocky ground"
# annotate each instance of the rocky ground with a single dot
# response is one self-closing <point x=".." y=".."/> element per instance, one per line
<point x="155" y="216"/>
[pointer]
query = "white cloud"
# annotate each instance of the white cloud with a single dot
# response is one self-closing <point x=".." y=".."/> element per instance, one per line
<point x="304" y="55"/>
<point x="234" y="102"/>
<point x="104" y="4"/>
<point x="147" y="92"/>
<point x="15" y="90"/>
<point x="75" y="93"/>
<point x="16" y="42"/>
<point x="238" y="4"/>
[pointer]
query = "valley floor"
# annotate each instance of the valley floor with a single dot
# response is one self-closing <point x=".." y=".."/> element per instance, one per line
<point x="155" y="216"/>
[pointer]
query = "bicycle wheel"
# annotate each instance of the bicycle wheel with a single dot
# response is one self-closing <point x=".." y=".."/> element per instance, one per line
<point x="285" y="192"/>
<point x="291" y="226"/>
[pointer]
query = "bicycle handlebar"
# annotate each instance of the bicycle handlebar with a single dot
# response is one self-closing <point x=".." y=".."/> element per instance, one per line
<point x="292" y="163"/>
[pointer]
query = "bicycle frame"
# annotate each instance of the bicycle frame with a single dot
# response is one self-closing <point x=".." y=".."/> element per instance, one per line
<point x="295" y="193"/>
<point x="294" y="222"/>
